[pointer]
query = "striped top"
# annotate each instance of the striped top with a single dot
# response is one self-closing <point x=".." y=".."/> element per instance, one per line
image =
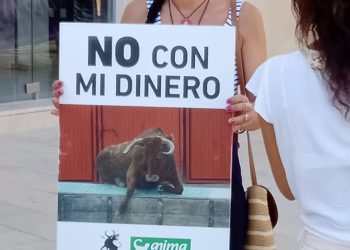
<point x="228" y="23"/>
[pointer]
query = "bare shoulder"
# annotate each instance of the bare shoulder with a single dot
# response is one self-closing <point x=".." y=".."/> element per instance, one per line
<point x="249" y="11"/>
<point x="250" y="20"/>
<point x="135" y="12"/>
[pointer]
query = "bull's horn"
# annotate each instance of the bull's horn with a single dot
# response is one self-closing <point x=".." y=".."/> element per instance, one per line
<point x="170" y="144"/>
<point x="131" y="144"/>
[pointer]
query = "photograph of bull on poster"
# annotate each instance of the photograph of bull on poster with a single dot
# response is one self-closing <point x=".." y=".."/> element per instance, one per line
<point x="145" y="149"/>
<point x="124" y="65"/>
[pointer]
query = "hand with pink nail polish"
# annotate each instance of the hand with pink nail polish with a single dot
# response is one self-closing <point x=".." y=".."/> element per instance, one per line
<point x="57" y="92"/>
<point x="243" y="115"/>
<point x="229" y="105"/>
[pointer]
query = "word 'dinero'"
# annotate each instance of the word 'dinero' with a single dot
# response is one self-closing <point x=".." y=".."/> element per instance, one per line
<point x="126" y="52"/>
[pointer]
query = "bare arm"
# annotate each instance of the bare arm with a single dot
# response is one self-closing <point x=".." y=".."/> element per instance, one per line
<point x="274" y="158"/>
<point x="252" y="33"/>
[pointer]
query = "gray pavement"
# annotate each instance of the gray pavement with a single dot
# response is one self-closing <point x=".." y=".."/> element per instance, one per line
<point x="28" y="181"/>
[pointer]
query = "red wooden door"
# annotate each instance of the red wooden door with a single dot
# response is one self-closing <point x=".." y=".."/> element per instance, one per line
<point x="202" y="139"/>
<point x="77" y="143"/>
<point x="120" y="124"/>
<point x="209" y="146"/>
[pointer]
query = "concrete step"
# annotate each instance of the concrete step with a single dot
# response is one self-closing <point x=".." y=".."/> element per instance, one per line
<point x="203" y="206"/>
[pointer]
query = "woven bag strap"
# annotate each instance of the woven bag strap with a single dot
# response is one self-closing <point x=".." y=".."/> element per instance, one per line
<point x="242" y="83"/>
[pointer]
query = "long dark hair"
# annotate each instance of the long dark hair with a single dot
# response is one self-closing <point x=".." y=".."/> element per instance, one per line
<point x="154" y="10"/>
<point x="328" y="23"/>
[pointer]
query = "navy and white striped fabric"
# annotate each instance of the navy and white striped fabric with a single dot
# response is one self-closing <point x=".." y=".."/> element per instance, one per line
<point x="228" y="23"/>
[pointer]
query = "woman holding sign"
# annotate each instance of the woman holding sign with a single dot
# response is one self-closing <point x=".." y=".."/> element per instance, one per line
<point x="218" y="12"/>
<point x="212" y="12"/>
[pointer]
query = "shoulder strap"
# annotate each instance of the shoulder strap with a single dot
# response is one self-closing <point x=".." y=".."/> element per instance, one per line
<point x="149" y="3"/>
<point x="242" y="83"/>
<point x="239" y="4"/>
<point x="239" y="43"/>
<point x="154" y="7"/>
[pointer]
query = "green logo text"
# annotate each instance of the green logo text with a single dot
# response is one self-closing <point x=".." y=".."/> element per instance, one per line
<point x="146" y="243"/>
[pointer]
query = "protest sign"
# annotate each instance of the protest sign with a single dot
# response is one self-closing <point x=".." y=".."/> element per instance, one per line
<point x="127" y="88"/>
<point x="134" y="65"/>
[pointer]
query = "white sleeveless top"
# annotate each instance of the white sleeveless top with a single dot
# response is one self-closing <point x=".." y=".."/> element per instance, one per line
<point x="228" y="23"/>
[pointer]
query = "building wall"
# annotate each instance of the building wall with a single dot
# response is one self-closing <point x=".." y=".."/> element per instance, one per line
<point x="121" y="4"/>
<point x="278" y="21"/>
<point x="279" y="25"/>
<point x="29" y="42"/>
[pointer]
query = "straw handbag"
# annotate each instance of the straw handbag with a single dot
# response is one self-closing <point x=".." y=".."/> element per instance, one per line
<point x="262" y="212"/>
<point x="262" y="208"/>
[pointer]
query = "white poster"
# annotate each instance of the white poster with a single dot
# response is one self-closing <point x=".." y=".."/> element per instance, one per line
<point x="145" y="148"/>
<point x="146" y="65"/>
<point x="94" y="236"/>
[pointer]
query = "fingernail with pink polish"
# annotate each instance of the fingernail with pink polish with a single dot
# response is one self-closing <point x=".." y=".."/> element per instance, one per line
<point x="231" y="120"/>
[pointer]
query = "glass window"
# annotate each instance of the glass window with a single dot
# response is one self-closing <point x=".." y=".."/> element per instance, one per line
<point x="29" y="44"/>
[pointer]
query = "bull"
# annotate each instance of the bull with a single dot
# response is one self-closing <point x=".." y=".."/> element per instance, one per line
<point x="145" y="162"/>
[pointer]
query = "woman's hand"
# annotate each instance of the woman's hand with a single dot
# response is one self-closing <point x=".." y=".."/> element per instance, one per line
<point x="56" y="94"/>
<point x="243" y="115"/>
<point x="251" y="30"/>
